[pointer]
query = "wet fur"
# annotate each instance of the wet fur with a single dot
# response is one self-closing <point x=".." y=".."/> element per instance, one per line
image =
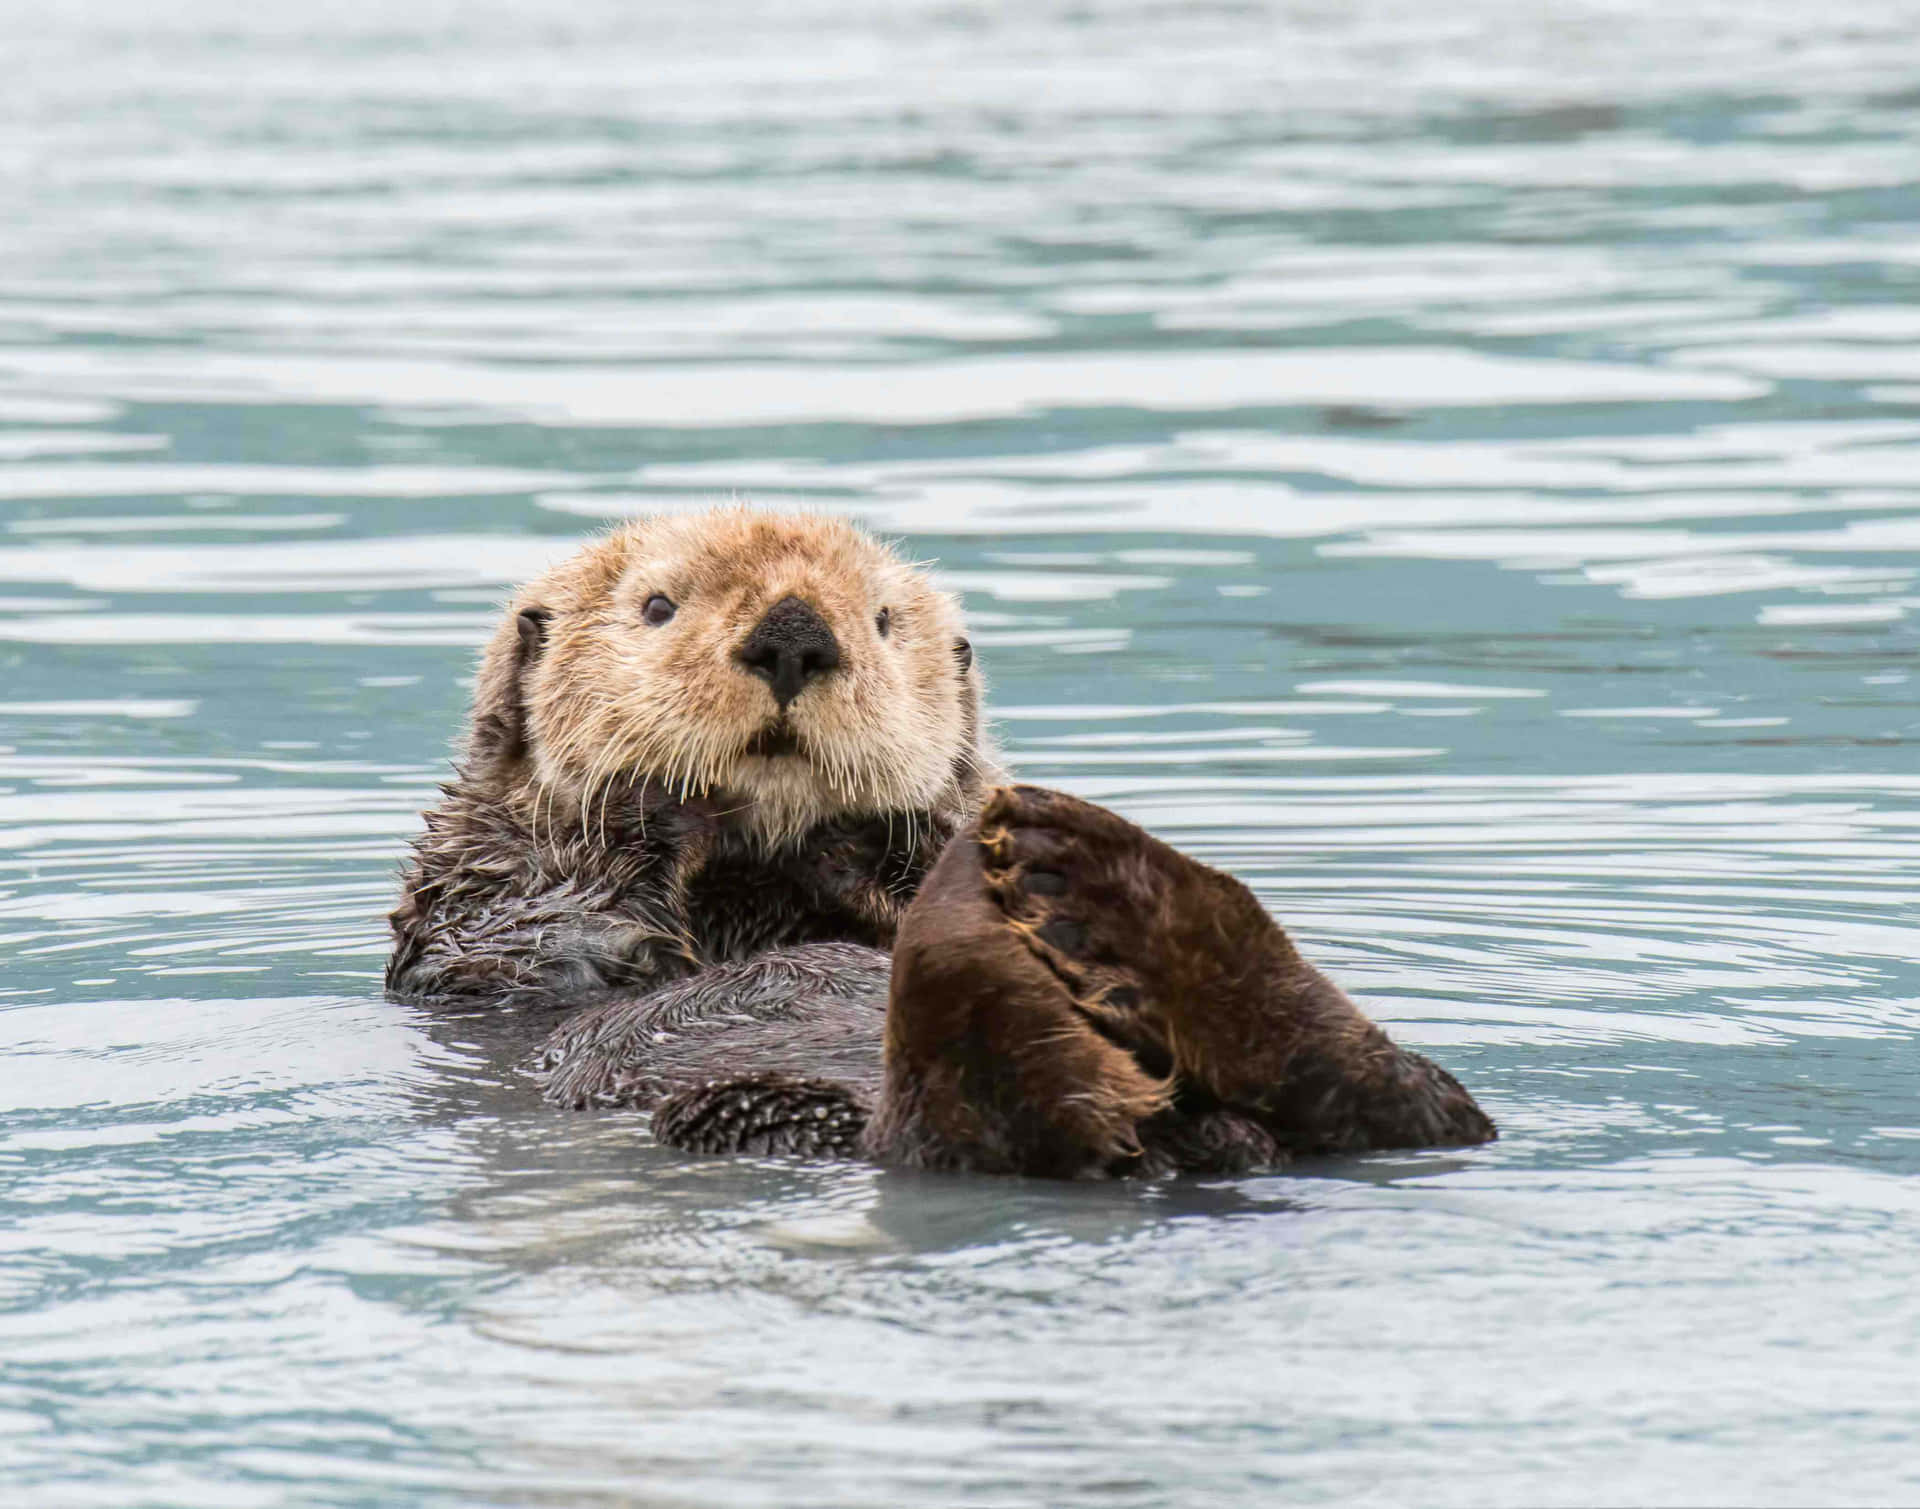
<point x="1072" y="997"/>
<point x="607" y="829"/>
<point x="764" y="952"/>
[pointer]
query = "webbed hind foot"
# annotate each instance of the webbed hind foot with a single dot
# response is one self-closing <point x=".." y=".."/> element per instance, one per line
<point x="1181" y="965"/>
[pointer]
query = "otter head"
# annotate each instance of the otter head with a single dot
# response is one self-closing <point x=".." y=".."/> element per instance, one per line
<point x="790" y="666"/>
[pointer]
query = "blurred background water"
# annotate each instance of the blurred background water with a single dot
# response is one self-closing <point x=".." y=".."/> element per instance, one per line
<point x="1457" y="466"/>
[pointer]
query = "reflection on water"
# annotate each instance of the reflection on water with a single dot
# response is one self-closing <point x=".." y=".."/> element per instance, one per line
<point x="1457" y="467"/>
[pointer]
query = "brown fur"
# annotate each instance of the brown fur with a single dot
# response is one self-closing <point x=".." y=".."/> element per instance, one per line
<point x="615" y="821"/>
<point x="703" y="865"/>
<point x="988" y="1066"/>
<point x="1072" y="996"/>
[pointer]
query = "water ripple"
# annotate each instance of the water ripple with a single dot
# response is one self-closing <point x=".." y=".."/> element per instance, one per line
<point x="1452" y="466"/>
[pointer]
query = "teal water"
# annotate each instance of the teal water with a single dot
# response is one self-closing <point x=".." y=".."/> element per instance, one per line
<point x="1457" y="466"/>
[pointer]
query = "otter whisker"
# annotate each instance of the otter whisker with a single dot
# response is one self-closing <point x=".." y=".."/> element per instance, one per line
<point x="583" y="797"/>
<point x="614" y="766"/>
<point x="548" y="793"/>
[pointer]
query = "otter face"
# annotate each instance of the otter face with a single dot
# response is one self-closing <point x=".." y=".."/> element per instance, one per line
<point x="790" y="666"/>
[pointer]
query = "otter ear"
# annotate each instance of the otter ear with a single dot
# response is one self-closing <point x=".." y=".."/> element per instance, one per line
<point x="963" y="652"/>
<point x="499" y="701"/>
<point x="531" y="625"/>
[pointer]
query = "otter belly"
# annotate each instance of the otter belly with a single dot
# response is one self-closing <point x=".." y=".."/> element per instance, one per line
<point x="813" y="1011"/>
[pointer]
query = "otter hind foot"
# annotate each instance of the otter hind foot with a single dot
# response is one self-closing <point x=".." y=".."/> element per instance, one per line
<point x="774" y="1115"/>
<point x="1179" y="964"/>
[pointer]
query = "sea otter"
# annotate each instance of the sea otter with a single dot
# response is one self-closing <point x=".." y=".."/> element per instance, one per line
<point x="728" y="830"/>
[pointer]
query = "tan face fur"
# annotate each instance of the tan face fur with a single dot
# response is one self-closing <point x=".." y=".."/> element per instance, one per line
<point x="602" y="693"/>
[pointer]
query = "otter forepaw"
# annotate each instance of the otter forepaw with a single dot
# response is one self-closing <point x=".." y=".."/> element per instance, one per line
<point x="593" y="959"/>
<point x="769" y="1115"/>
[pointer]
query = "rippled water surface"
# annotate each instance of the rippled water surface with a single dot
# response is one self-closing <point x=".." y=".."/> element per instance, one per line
<point x="1457" y="466"/>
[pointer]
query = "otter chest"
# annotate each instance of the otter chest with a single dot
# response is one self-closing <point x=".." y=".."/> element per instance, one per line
<point x="740" y="905"/>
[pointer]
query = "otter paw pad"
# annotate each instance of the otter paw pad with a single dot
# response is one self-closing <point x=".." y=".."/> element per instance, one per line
<point x="1061" y="874"/>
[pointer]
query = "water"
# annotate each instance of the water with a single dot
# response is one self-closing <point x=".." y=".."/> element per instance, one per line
<point x="1458" y="466"/>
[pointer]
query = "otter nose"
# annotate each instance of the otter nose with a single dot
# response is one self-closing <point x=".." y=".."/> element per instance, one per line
<point x="788" y="648"/>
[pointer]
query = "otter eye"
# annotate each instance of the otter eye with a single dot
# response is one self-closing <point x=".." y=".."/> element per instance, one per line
<point x="882" y="619"/>
<point x="659" y="609"/>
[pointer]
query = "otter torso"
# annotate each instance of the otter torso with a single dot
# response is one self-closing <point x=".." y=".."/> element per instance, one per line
<point x="699" y="743"/>
<point x="654" y="889"/>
